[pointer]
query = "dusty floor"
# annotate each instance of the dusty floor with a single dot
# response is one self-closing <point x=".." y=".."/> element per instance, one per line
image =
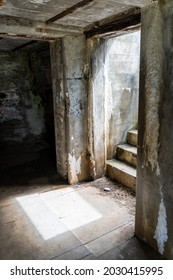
<point x="42" y="217"/>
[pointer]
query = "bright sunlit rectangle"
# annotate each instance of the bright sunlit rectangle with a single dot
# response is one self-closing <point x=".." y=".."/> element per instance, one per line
<point x="53" y="216"/>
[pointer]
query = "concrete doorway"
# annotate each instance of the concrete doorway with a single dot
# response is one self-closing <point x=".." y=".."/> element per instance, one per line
<point x="113" y="100"/>
<point x="41" y="217"/>
<point x="26" y="117"/>
<point x="122" y="60"/>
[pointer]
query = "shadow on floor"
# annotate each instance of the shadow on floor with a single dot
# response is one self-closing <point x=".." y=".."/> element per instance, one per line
<point x="42" y="217"/>
<point x="21" y="164"/>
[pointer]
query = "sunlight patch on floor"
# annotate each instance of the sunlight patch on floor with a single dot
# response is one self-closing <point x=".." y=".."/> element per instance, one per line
<point x="55" y="213"/>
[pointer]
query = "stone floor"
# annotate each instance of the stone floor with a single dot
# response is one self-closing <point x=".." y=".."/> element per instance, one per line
<point x="42" y="217"/>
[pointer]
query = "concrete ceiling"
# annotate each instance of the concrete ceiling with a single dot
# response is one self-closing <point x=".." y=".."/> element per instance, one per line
<point x="50" y="19"/>
<point x="43" y="10"/>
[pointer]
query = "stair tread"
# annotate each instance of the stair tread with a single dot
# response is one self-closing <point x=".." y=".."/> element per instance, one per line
<point x="122" y="167"/>
<point x="132" y="137"/>
<point x="134" y="131"/>
<point x="128" y="147"/>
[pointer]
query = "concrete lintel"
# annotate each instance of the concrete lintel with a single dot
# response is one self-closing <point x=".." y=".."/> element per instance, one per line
<point x="19" y="27"/>
<point x="129" y="18"/>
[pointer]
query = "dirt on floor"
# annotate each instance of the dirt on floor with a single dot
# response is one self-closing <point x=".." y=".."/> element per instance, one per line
<point x="119" y="193"/>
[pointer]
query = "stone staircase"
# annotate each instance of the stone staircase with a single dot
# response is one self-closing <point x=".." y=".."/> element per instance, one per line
<point x="123" y="167"/>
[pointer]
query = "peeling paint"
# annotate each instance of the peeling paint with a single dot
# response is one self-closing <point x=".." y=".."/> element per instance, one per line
<point x="154" y="61"/>
<point x="161" y="233"/>
<point x="93" y="166"/>
<point x="75" y="168"/>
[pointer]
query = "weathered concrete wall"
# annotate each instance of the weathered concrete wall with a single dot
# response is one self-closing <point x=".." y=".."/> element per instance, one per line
<point x="24" y="93"/>
<point x="41" y="65"/>
<point x="154" y="213"/>
<point x="59" y="100"/>
<point x="122" y="57"/>
<point x="76" y="92"/>
<point x="96" y="110"/>
<point x="69" y="60"/>
<point x="113" y="95"/>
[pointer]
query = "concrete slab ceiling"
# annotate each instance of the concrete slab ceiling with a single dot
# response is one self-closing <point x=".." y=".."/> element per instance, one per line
<point x="45" y="9"/>
<point x="59" y="15"/>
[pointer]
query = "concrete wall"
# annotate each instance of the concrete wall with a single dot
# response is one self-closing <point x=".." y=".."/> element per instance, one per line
<point x="96" y="107"/>
<point x="59" y="102"/>
<point x="113" y="96"/>
<point x="154" y="213"/>
<point x="76" y="80"/>
<point x="70" y="82"/>
<point x="25" y="92"/>
<point x="122" y="57"/>
<point x="95" y="103"/>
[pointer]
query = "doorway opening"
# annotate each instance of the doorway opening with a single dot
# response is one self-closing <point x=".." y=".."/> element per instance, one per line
<point x="122" y="60"/>
<point x="27" y="140"/>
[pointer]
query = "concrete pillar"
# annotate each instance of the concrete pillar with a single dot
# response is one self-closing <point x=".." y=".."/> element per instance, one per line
<point x="59" y="100"/>
<point x="76" y="79"/>
<point x="97" y="144"/>
<point x="70" y="90"/>
<point x="154" y="214"/>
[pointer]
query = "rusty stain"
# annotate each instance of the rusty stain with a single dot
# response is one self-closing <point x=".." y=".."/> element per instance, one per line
<point x="1" y="3"/>
<point x="69" y="10"/>
<point x="162" y="3"/>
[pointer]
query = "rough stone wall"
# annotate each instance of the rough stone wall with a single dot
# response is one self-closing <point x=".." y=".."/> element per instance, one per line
<point x="25" y="92"/>
<point x="41" y="66"/>
<point x="154" y="176"/>
<point x="122" y="57"/>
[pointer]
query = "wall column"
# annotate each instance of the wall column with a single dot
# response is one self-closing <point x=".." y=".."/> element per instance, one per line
<point x="96" y="112"/>
<point x="76" y="84"/>
<point x="154" y="214"/>
<point x="59" y="100"/>
<point x="70" y="83"/>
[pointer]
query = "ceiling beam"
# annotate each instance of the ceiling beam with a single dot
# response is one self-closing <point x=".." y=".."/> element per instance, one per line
<point x="24" y="45"/>
<point x="19" y="27"/>
<point x="117" y="23"/>
<point x="69" y="11"/>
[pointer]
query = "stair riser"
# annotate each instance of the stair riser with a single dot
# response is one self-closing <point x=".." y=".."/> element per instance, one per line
<point x="122" y="177"/>
<point x="126" y="156"/>
<point x="132" y="139"/>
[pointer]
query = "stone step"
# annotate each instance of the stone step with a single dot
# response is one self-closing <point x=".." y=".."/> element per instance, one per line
<point x="127" y="153"/>
<point x="122" y="173"/>
<point x="132" y="137"/>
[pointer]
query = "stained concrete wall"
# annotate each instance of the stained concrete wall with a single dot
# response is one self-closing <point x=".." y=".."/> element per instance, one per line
<point x="96" y="107"/>
<point x="59" y="101"/>
<point x="25" y="97"/>
<point x="154" y="213"/>
<point x="122" y="57"/>
<point x="113" y="96"/>
<point x="70" y="82"/>
<point x="83" y="86"/>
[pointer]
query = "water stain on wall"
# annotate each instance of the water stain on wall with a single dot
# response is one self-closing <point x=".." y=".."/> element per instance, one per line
<point x="1" y="3"/>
